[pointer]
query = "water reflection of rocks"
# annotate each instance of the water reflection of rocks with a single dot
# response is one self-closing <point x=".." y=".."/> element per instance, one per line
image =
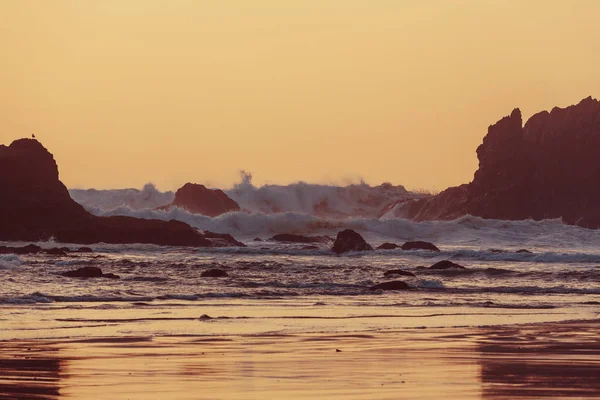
<point x="517" y="363"/>
<point x="28" y="372"/>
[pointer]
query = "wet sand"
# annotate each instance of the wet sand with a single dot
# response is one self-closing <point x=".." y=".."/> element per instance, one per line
<point x="549" y="360"/>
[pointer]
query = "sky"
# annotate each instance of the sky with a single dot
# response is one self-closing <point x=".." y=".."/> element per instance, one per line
<point x="125" y="92"/>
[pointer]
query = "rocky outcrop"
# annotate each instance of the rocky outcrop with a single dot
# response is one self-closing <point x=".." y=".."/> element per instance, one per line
<point x="547" y="168"/>
<point x="198" y="199"/>
<point x="445" y="264"/>
<point x="35" y="205"/>
<point x="419" y="245"/>
<point x="387" y="246"/>
<point x="349" y="240"/>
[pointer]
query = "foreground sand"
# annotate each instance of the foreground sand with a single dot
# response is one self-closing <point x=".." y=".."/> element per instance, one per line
<point x="557" y="360"/>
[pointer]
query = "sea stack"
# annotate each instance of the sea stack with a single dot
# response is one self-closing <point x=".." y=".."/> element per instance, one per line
<point x="35" y="205"/>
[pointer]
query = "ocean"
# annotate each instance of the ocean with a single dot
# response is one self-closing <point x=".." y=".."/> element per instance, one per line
<point x="285" y="288"/>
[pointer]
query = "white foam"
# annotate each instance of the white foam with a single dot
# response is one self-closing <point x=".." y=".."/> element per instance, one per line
<point x="9" y="261"/>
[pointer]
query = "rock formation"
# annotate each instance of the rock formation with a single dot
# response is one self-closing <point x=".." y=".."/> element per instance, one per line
<point x="35" y="205"/>
<point x="547" y="168"/>
<point x="349" y="240"/>
<point x="198" y="199"/>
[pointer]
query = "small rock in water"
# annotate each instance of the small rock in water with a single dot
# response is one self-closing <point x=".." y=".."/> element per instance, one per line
<point x="205" y="317"/>
<point x="214" y="273"/>
<point x="419" y="245"/>
<point x="445" y="264"/>
<point x="89" y="272"/>
<point x="55" y="251"/>
<point x="524" y="251"/>
<point x="257" y="239"/>
<point x="387" y="246"/>
<point x="393" y="285"/>
<point x="338" y="351"/>
<point x="349" y="240"/>
<point x="85" y="250"/>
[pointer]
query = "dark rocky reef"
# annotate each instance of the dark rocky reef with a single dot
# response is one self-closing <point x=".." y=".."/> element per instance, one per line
<point x="547" y="168"/>
<point x="387" y="246"/>
<point x="198" y="199"/>
<point x="35" y="205"/>
<point x="89" y="272"/>
<point x="419" y="245"/>
<point x="445" y="264"/>
<point x="393" y="285"/>
<point x="349" y="240"/>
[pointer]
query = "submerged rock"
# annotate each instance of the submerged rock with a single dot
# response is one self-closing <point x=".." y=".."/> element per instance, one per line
<point x="89" y="272"/>
<point x="55" y="251"/>
<point x="349" y="240"/>
<point x="387" y="246"/>
<point x="397" y="272"/>
<point x="393" y="285"/>
<point x="214" y="273"/>
<point x="445" y="264"/>
<point x="419" y="245"/>
<point x="524" y="251"/>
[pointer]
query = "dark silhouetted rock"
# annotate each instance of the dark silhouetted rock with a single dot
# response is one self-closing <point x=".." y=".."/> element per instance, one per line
<point x="257" y="239"/>
<point x="309" y="248"/>
<point x="214" y="273"/>
<point x="393" y="285"/>
<point x="524" y="251"/>
<point x="198" y="199"/>
<point x="387" y="246"/>
<point x="397" y="272"/>
<point x="547" y="168"/>
<point x="445" y="264"/>
<point x="88" y="272"/>
<point x="349" y="240"/>
<point x="419" y="245"/>
<point x="291" y="238"/>
<point x="35" y="205"/>
<point x="29" y="249"/>
<point x="497" y="251"/>
<point x="55" y="251"/>
<point x="85" y="250"/>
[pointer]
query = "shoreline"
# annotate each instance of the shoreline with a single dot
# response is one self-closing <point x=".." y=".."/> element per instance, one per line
<point x="525" y="360"/>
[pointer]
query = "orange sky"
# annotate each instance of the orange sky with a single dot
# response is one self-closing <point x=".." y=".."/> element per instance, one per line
<point x="124" y="92"/>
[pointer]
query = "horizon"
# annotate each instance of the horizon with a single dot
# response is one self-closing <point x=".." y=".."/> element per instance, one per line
<point x="130" y="92"/>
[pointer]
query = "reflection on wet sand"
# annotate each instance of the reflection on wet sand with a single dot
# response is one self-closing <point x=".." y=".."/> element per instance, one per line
<point x="547" y="360"/>
<point x="29" y="372"/>
<point x="533" y="362"/>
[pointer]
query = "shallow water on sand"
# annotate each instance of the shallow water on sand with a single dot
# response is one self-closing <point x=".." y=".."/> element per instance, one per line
<point x="533" y="361"/>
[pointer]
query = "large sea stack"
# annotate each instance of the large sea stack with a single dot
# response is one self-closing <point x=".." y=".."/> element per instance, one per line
<point x="35" y="205"/>
<point x="547" y="168"/>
